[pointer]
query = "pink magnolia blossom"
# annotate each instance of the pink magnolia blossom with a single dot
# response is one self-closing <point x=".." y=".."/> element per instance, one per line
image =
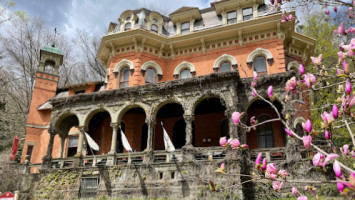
<point x="301" y="69"/>
<point x="252" y="84"/>
<point x="330" y="157"/>
<point x="349" y="103"/>
<point x="345" y="149"/>
<point x="220" y="169"/>
<point x="317" y="160"/>
<point x="253" y="92"/>
<point x="264" y="164"/>
<point x="258" y="160"/>
<point x="327" y="135"/>
<point x="307" y="126"/>
<point x="302" y="198"/>
<point x="235" y="143"/>
<point x="294" y="191"/>
<point x="340" y="56"/>
<point x="335" y="9"/>
<point x="253" y="122"/>
<point x="309" y="79"/>
<point x="255" y="74"/>
<point x="223" y="141"/>
<point x="351" y="29"/>
<point x="338" y="72"/>
<point x="291" y="85"/>
<point x="284" y="18"/>
<point x="269" y="91"/>
<point x="317" y="61"/>
<point x="327" y="12"/>
<point x="290" y="17"/>
<point x="341" y="29"/>
<point x="236" y="117"/>
<point x="335" y="111"/>
<point x="348" y="86"/>
<point x="289" y="132"/>
<point x="271" y="168"/>
<point x="352" y="153"/>
<point x="307" y="141"/>
<point x="327" y="117"/>
<point x="283" y="173"/>
<point x="277" y="185"/>
<point x="337" y="169"/>
<point x="340" y="187"/>
<point x="271" y="176"/>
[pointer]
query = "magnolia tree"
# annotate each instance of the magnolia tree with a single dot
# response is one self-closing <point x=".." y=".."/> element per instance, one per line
<point x="338" y="114"/>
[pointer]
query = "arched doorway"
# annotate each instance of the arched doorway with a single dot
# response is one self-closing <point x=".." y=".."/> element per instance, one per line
<point x="268" y="135"/>
<point x="209" y="114"/>
<point x="170" y="114"/>
<point x="100" y="131"/>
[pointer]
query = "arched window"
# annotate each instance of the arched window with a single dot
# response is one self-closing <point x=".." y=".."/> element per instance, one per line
<point x="260" y="64"/>
<point x="265" y="134"/>
<point x="124" y="77"/>
<point x="150" y="76"/>
<point x="185" y="73"/>
<point x="225" y="67"/>
<point x="155" y="20"/>
<point x="127" y="26"/>
<point x="224" y="128"/>
<point x="154" y="28"/>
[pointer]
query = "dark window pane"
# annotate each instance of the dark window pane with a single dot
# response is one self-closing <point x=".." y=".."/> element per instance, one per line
<point x="185" y="74"/>
<point x="232" y="17"/>
<point x="260" y="64"/>
<point x="225" y="128"/>
<point x="247" y="14"/>
<point x="127" y="26"/>
<point x="265" y="134"/>
<point x="154" y="28"/>
<point x="124" y="77"/>
<point x="225" y="67"/>
<point x="150" y="76"/>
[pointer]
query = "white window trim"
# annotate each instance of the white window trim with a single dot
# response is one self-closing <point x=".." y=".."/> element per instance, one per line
<point x="222" y="59"/>
<point x="153" y="65"/>
<point x="184" y="65"/>
<point x="123" y="63"/>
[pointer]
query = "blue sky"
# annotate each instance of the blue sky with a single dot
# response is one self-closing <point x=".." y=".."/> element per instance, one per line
<point x="94" y="15"/>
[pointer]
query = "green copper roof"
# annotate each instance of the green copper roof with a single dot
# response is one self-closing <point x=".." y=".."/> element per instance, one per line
<point x="52" y="50"/>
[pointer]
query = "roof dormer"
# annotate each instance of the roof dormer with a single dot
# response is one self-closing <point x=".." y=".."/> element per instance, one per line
<point x="184" y="19"/>
<point x="155" y="22"/>
<point x="237" y="10"/>
<point x="127" y="20"/>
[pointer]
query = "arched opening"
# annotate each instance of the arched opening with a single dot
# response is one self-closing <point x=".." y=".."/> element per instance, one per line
<point x="154" y="28"/>
<point x="185" y="73"/>
<point x="170" y="114"/>
<point x="209" y="114"/>
<point x="260" y="65"/>
<point x="150" y="76"/>
<point x="127" y="26"/>
<point x="70" y="132"/>
<point x="267" y="135"/>
<point x="134" y="121"/>
<point x="100" y="131"/>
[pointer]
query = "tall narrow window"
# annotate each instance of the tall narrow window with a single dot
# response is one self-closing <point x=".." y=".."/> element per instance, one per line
<point x="29" y="152"/>
<point x="225" y="67"/>
<point x="260" y="64"/>
<point x="72" y="145"/>
<point x="265" y="134"/>
<point x="127" y="26"/>
<point x="247" y="14"/>
<point x="232" y="17"/>
<point x="150" y="76"/>
<point x="124" y="76"/>
<point x="185" y="73"/>
<point x="185" y="27"/>
<point x="154" y="28"/>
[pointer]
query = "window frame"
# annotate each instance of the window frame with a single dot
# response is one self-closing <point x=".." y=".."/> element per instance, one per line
<point x="185" y="30"/>
<point x="154" y="78"/>
<point x="232" y="20"/>
<point x="269" y="132"/>
<point x="29" y="153"/>
<point x="254" y="64"/>
<point x="72" y="147"/>
<point x="245" y="16"/>
<point x="155" y="31"/>
<point x="121" y="77"/>
<point x="220" y="66"/>
<point x="125" y="26"/>
<point x="185" y="69"/>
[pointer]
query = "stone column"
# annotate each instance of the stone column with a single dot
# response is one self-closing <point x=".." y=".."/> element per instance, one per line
<point x="61" y="149"/>
<point x="148" y="155"/>
<point x="188" y="120"/>
<point x="111" y="159"/>
<point x="114" y="138"/>
<point x="79" y="151"/>
<point x="47" y="159"/>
